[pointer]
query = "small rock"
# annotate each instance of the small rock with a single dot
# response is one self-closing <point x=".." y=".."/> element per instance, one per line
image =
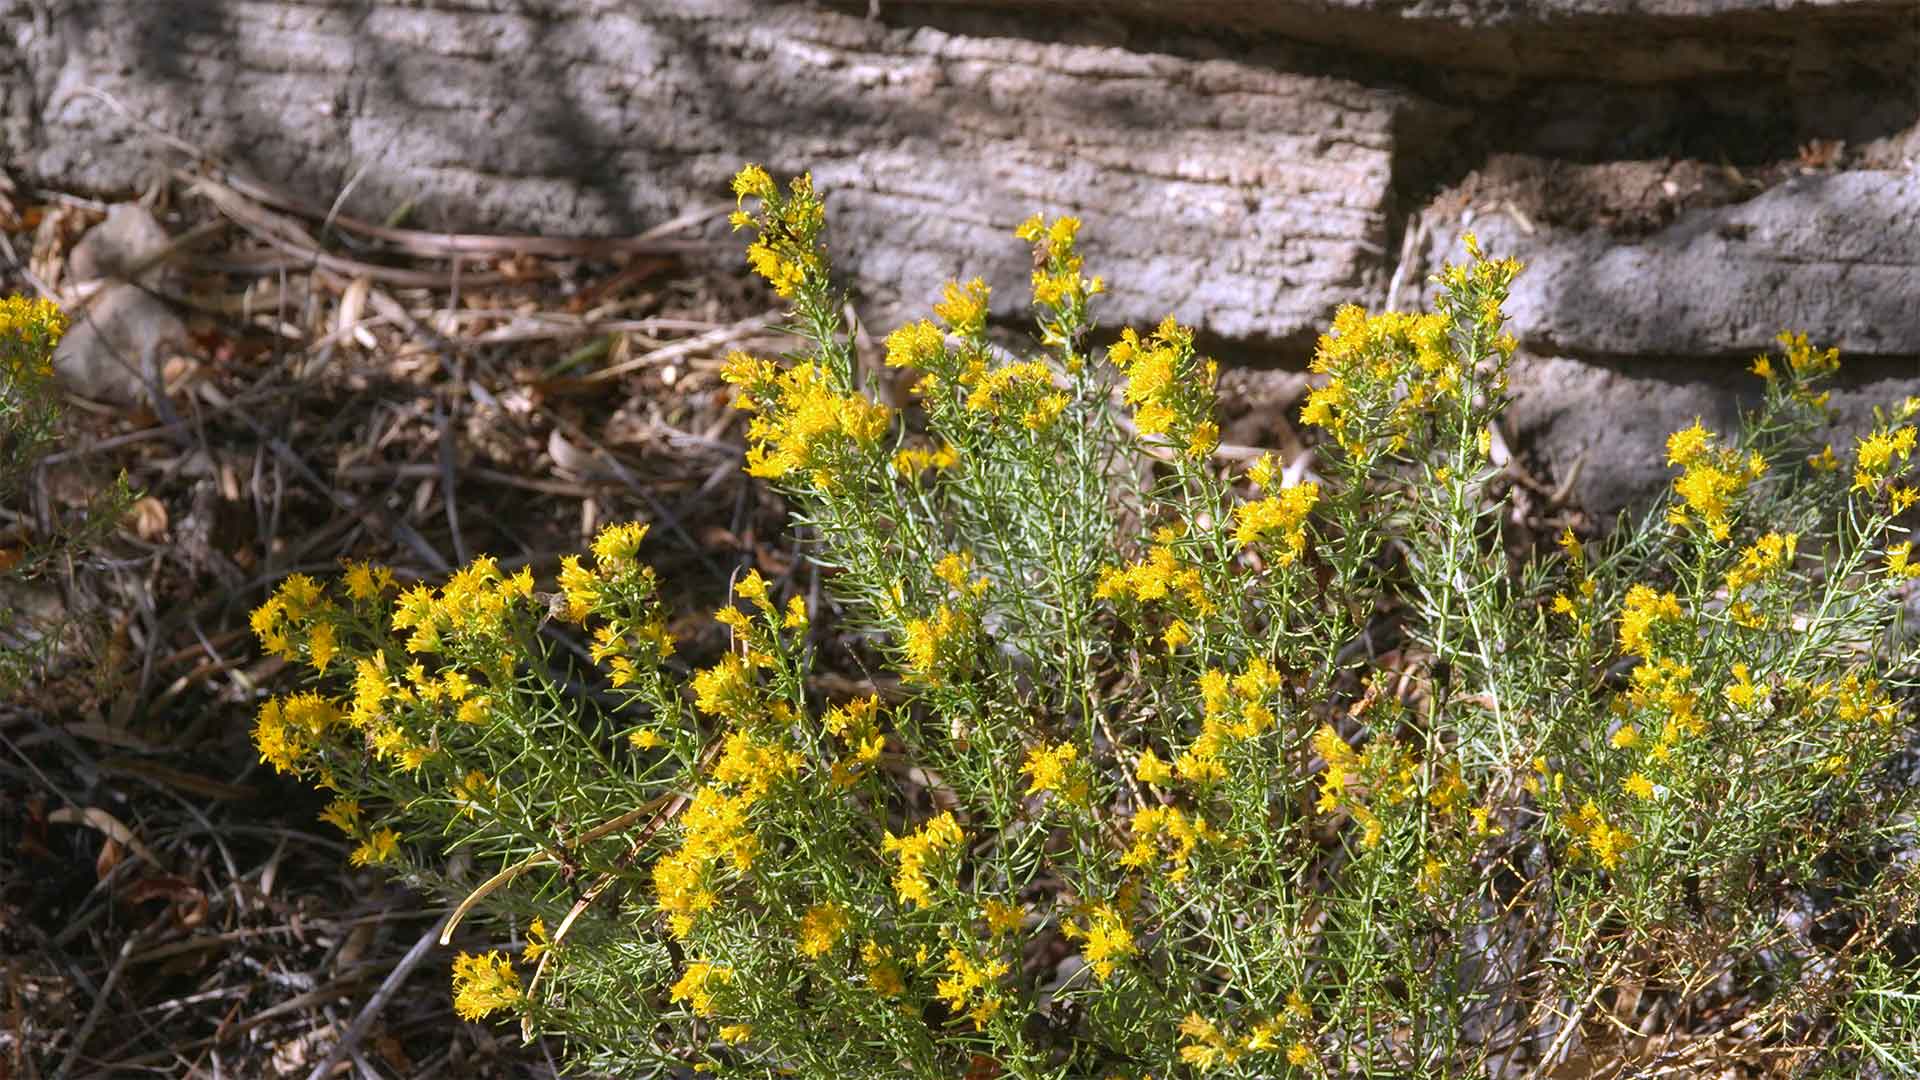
<point x="113" y="341"/>
<point x="112" y="249"/>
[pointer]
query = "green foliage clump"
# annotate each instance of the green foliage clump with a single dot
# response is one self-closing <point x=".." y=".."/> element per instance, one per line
<point x="1176" y="769"/>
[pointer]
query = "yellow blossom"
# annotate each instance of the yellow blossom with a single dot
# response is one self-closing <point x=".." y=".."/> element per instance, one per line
<point x="483" y="985"/>
<point x="821" y="929"/>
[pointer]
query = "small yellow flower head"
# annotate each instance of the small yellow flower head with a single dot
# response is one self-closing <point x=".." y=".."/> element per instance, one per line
<point x="1900" y="561"/>
<point x="1152" y="770"/>
<point x="1003" y="918"/>
<point x="699" y="984"/>
<point x="972" y="987"/>
<point x="377" y="850"/>
<point x="1051" y="768"/>
<point x="1637" y="786"/>
<point x="1881" y="454"/>
<point x="883" y="974"/>
<point x="1642" y="615"/>
<point x="343" y="814"/>
<point x="916" y="345"/>
<point x="752" y="181"/>
<point x="484" y="985"/>
<point x="1686" y="446"/>
<point x="821" y="929"/>
<point x="964" y="307"/>
<point x="920" y="853"/>
<point x="1106" y="942"/>
<point x="537" y="940"/>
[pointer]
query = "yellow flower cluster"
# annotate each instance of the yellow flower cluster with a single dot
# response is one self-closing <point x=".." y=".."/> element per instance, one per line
<point x="1207" y="1047"/>
<point x="1881" y="455"/>
<point x="699" y="984"/>
<point x="788" y="251"/>
<point x="1163" y="832"/>
<point x="29" y="330"/>
<point x="1583" y="586"/>
<point x="964" y="307"/>
<point x="1665" y="688"/>
<point x="921" y="854"/>
<point x="1762" y="560"/>
<point x="972" y="987"/>
<point x="802" y="424"/>
<point x="1900" y="560"/>
<point x="288" y="730"/>
<point x="1804" y="364"/>
<point x="1385" y="775"/>
<point x="1162" y="576"/>
<point x="821" y="928"/>
<point x="473" y="607"/>
<point x="1059" y="283"/>
<point x="1383" y="372"/>
<point x="1596" y="838"/>
<point x="1105" y="941"/>
<point x="1052" y="768"/>
<point x="1171" y="390"/>
<point x="937" y="649"/>
<point x="912" y="461"/>
<point x="483" y="985"/>
<point x="856" y="725"/>
<point x="1283" y="515"/>
<point x="1233" y="709"/>
<point x="1643" y="614"/>
<point x="1711" y="479"/>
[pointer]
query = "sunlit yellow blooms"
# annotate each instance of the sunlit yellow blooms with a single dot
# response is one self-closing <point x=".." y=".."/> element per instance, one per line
<point x="1283" y="516"/>
<point x="1626" y="738"/>
<point x="1900" y="560"/>
<point x="288" y="730"/>
<point x="1164" y="832"/>
<point x="964" y="307"/>
<point x="1876" y="454"/>
<point x="378" y="849"/>
<point x="537" y="940"/>
<point x="364" y="581"/>
<point x="699" y="984"/>
<point x="754" y="765"/>
<point x="803" y="425"/>
<point x="1105" y="941"/>
<point x="821" y="928"/>
<point x="1207" y="1047"/>
<point x="934" y="648"/>
<point x="1642" y="615"/>
<point x="322" y="646"/>
<point x="1051" y="769"/>
<point x="483" y="985"/>
<point x="343" y="814"/>
<point x="752" y="180"/>
<point x="1688" y="445"/>
<point x="473" y="791"/>
<point x="1763" y="559"/>
<point x="1003" y="918"/>
<point x="1803" y="359"/>
<point x="1596" y="837"/>
<point x="1637" y="786"/>
<point x="1383" y="372"/>
<point x="1152" y="770"/>
<point x="1177" y="633"/>
<point x="726" y="689"/>
<point x="883" y="974"/>
<point x="920" y="854"/>
<point x="915" y="345"/>
<point x="911" y="463"/>
<point x="971" y="987"/>
<point x="1171" y="390"/>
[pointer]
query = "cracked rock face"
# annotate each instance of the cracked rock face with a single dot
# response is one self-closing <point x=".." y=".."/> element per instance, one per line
<point x="1685" y="178"/>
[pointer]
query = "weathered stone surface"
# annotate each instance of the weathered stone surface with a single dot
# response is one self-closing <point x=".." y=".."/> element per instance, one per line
<point x="129" y="240"/>
<point x="1627" y="40"/>
<point x="1246" y="164"/>
<point x="1835" y="256"/>
<point x="113" y="345"/>
<point x="1250" y="199"/>
<point x="1611" y="421"/>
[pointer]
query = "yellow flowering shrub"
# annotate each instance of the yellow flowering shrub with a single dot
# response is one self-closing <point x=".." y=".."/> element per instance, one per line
<point x="1185" y="768"/>
<point x="30" y="410"/>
